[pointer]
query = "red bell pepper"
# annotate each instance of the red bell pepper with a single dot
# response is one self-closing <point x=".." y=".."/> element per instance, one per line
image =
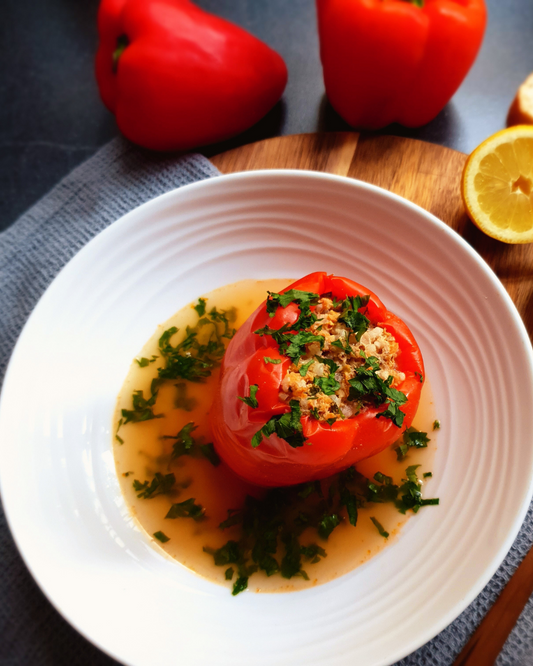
<point x="177" y="77"/>
<point x="253" y="359"/>
<point x="399" y="61"/>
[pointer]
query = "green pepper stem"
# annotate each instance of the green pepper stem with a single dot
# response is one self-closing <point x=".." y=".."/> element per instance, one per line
<point x="122" y="44"/>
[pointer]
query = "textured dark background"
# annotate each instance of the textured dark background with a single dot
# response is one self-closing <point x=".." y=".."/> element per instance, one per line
<point x="51" y="117"/>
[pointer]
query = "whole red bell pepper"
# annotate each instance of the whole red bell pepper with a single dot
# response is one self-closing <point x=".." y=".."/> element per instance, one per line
<point x="177" y="77"/>
<point x="253" y="359"/>
<point x="399" y="61"/>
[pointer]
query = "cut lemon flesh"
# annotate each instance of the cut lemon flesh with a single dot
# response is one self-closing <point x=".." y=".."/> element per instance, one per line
<point x="497" y="185"/>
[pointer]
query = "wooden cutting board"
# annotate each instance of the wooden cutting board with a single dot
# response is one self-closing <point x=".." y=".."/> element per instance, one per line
<point x="430" y="176"/>
<point x="427" y="174"/>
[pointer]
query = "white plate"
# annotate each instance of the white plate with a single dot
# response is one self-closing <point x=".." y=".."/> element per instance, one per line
<point x="57" y="476"/>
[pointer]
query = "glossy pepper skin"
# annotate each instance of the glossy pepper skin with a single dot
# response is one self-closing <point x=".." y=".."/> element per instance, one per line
<point x="177" y="77"/>
<point x="388" y="61"/>
<point x="329" y="449"/>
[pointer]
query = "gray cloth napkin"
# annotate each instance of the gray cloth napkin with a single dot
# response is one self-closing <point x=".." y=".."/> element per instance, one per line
<point x="32" y="251"/>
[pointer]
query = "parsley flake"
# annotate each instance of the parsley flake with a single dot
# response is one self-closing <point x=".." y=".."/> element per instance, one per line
<point x="287" y="426"/>
<point x="143" y="408"/>
<point x="305" y="367"/>
<point x="274" y="361"/>
<point x="201" y="349"/>
<point x="184" y="441"/>
<point x="328" y="385"/>
<point x="368" y="386"/>
<point x="351" y="316"/>
<point x="305" y="299"/>
<point x="251" y="400"/>
<point x="379" y="527"/>
<point x="411" y="438"/>
<point x="143" y="362"/>
<point x="161" y="536"/>
<point x="240" y="585"/>
<point x="186" y="509"/>
<point x="200" y="307"/>
<point x="161" y="484"/>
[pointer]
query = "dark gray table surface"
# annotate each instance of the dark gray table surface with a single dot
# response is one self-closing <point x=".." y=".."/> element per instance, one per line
<point x="51" y="117"/>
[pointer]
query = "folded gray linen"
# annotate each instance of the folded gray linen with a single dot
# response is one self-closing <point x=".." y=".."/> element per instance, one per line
<point x="115" y="180"/>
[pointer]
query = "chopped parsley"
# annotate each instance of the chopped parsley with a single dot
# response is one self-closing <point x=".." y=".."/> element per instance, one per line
<point x="291" y="343"/>
<point x="143" y="362"/>
<point x="305" y="299"/>
<point x="293" y="338"/>
<point x="143" y="408"/>
<point x="186" y="509"/>
<point x="305" y="367"/>
<point x="200" y="307"/>
<point x="379" y="527"/>
<point x="313" y="552"/>
<point x="294" y="346"/>
<point x="184" y="441"/>
<point x="436" y="425"/>
<point x="201" y="349"/>
<point x="267" y="531"/>
<point x="274" y="361"/>
<point x="161" y="484"/>
<point x="406" y="497"/>
<point x="286" y="426"/>
<point x="351" y="316"/>
<point x="328" y="385"/>
<point x="411" y="493"/>
<point x="344" y="347"/>
<point x="411" y="438"/>
<point x="240" y="585"/>
<point x="327" y="524"/>
<point x="251" y="400"/>
<point x="161" y="536"/>
<point x="332" y="366"/>
<point x="117" y="437"/>
<point x="367" y="386"/>
<point x="186" y="445"/>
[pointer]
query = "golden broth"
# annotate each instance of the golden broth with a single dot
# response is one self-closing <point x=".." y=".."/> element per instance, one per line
<point x="147" y="446"/>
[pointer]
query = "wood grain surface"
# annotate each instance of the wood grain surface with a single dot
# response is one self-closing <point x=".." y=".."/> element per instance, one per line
<point x="430" y="176"/>
<point x="427" y="174"/>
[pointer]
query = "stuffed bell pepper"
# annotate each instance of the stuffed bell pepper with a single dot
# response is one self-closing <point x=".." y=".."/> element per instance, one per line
<point x="321" y="376"/>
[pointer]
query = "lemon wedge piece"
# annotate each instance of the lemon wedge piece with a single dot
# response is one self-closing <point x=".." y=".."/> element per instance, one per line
<point x="497" y="185"/>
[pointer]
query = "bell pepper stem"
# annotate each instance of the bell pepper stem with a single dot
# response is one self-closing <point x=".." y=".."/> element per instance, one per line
<point x="122" y="44"/>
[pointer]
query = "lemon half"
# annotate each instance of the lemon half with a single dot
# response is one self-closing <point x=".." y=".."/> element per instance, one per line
<point x="497" y="185"/>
